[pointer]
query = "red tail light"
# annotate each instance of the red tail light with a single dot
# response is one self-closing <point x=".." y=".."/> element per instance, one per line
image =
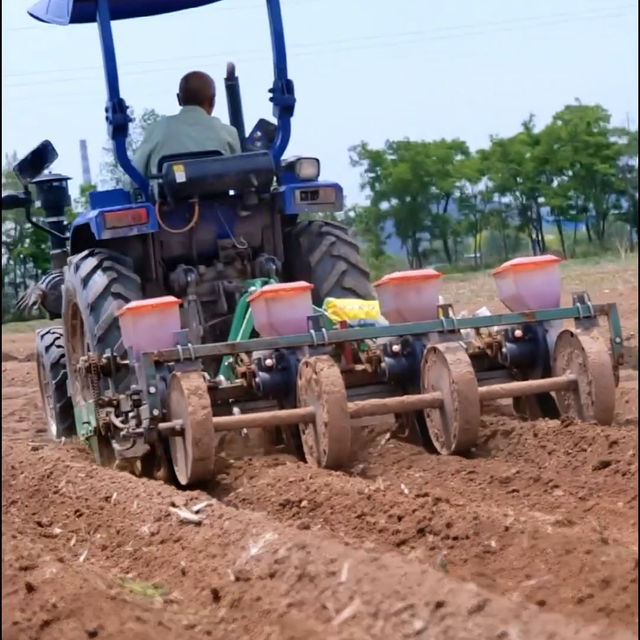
<point x="125" y="218"/>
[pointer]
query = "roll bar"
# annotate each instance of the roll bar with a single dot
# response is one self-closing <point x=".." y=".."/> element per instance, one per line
<point x="102" y="12"/>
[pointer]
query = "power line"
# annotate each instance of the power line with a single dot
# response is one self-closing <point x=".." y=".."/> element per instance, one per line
<point x="328" y="73"/>
<point x="397" y="40"/>
<point x="595" y="13"/>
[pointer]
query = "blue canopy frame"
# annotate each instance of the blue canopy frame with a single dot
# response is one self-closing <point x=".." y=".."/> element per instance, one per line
<point x="102" y="12"/>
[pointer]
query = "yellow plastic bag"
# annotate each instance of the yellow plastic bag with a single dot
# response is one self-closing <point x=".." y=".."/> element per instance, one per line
<point x="351" y="309"/>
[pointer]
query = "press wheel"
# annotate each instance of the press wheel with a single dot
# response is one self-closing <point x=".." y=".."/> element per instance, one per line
<point x="193" y="451"/>
<point x="588" y="359"/>
<point x="327" y="442"/>
<point x="454" y="427"/>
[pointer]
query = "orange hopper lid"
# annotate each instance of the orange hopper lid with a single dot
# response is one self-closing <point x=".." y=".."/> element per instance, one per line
<point x="406" y="277"/>
<point x="138" y="306"/>
<point x="527" y="262"/>
<point x="280" y="289"/>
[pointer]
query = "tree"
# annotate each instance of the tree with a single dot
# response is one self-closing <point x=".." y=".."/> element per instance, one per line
<point x="474" y="198"/>
<point x="444" y="160"/>
<point x="25" y="250"/>
<point x="412" y="184"/>
<point x="111" y="174"/>
<point x="516" y="175"/>
<point x="81" y="202"/>
<point x="439" y="197"/>
<point x="628" y="181"/>
<point x="587" y="158"/>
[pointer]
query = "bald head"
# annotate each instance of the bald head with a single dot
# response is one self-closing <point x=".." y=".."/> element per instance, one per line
<point x="197" y="89"/>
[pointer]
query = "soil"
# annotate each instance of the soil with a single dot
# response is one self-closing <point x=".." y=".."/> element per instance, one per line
<point x="533" y="536"/>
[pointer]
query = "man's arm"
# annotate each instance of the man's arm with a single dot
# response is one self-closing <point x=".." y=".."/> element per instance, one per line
<point x="234" y="141"/>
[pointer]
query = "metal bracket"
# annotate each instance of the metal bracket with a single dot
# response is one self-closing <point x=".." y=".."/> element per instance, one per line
<point x="445" y="313"/>
<point x="316" y="324"/>
<point x="148" y="381"/>
<point x="182" y="342"/>
<point x="85" y="419"/>
<point x="579" y="300"/>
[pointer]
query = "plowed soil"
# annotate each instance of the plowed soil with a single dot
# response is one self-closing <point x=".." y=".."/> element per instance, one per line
<point x="534" y="536"/>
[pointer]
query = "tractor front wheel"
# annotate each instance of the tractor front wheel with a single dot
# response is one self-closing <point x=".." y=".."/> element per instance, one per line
<point x="98" y="283"/>
<point x="52" y="380"/>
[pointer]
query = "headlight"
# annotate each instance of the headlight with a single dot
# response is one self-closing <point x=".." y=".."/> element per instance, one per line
<point x="307" y="168"/>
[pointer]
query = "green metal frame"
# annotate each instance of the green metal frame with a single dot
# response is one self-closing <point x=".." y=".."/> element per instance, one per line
<point x="579" y="312"/>
<point x="242" y="323"/>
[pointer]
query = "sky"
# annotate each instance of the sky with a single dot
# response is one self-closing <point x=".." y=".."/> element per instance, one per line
<point x="363" y="70"/>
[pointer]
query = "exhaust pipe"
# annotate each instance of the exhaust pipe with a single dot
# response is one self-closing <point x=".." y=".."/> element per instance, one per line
<point x="234" y="103"/>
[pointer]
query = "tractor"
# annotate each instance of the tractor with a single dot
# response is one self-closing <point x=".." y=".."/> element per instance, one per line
<point x="195" y="307"/>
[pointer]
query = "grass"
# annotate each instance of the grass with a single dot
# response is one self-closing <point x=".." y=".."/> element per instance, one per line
<point x="142" y="589"/>
<point x="566" y="266"/>
<point x="27" y="326"/>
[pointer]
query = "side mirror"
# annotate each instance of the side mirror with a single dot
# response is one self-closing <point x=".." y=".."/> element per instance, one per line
<point x="35" y="162"/>
<point x="15" y="200"/>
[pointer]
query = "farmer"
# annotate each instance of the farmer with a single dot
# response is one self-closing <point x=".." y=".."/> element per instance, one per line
<point x="193" y="128"/>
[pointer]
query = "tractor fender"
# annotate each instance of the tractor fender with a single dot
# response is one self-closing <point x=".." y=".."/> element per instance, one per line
<point x="90" y="226"/>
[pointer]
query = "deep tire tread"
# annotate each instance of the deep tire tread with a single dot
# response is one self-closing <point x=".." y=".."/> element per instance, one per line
<point x="103" y="282"/>
<point x="50" y="348"/>
<point x="323" y="253"/>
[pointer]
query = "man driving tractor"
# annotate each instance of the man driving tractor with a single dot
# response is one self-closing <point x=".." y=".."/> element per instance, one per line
<point x="193" y="128"/>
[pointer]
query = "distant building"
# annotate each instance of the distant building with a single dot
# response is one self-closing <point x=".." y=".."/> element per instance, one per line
<point x="84" y="161"/>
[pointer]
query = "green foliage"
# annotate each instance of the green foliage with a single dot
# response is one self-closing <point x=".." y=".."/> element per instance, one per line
<point x="444" y="201"/>
<point x="81" y="202"/>
<point x="25" y="251"/>
<point x="111" y="175"/>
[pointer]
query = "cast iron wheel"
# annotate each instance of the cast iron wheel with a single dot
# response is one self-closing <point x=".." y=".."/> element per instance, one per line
<point x="193" y="450"/>
<point x="324" y="254"/>
<point x="52" y="380"/>
<point x="98" y="283"/>
<point x="327" y="440"/>
<point x="587" y="358"/>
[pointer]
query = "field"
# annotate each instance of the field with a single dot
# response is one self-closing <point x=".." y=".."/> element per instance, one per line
<point x="533" y="537"/>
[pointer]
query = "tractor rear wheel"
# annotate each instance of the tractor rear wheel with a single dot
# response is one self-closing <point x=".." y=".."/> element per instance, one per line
<point x="97" y="285"/>
<point x="52" y="380"/>
<point x="324" y="254"/>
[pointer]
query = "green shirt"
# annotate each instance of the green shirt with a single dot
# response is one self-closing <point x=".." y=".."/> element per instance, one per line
<point x="189" y="130"/>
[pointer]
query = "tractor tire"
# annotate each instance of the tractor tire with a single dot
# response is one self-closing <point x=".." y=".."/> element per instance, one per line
<point x="52" y="380"/>
<point x="98" y="283"/>
<point x="324" y="254"/>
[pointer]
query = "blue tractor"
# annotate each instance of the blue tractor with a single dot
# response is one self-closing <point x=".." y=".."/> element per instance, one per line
<point x="213" y="224"/>
<point x="195" y="308"/>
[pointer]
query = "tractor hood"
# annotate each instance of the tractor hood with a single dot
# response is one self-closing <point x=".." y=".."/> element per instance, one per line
<point x="64" y="12"/>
